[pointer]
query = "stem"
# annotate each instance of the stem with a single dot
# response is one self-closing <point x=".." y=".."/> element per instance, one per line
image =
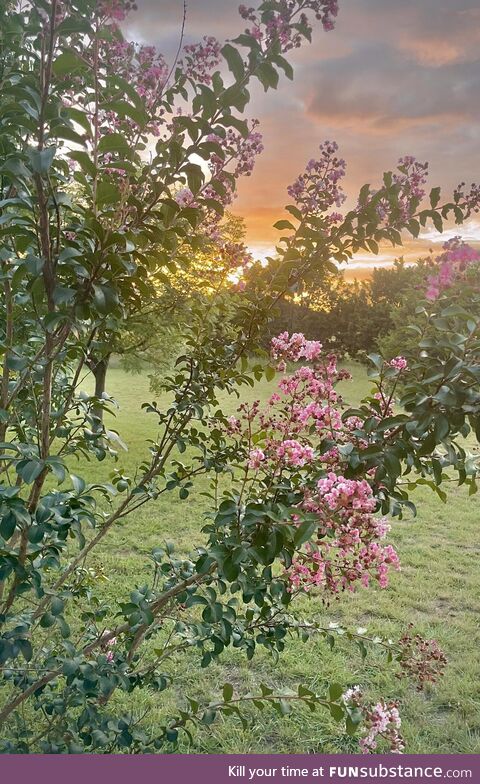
<point x="8" y="347"/>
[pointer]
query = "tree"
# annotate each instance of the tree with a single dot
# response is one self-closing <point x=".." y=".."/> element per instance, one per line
<point x="350" y="317"/>
<point x="152" y="337"/>
<point x="449" y="278"/>
<point x="73" y="262"/>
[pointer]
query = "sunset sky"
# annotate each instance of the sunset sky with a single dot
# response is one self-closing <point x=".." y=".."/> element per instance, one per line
<point x="394" y="78"/>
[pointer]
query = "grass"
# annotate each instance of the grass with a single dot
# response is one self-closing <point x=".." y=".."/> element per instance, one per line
<point x="437" y="590"/>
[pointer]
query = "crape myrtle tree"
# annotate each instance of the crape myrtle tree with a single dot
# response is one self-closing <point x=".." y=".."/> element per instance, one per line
<point x="451" y="278"/>
<point x="101" y="192"/>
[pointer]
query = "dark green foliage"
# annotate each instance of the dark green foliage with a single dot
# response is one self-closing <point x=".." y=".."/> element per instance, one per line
<point x="351" y="317"/>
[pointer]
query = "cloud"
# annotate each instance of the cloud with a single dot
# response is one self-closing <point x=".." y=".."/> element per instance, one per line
<point x="377" y="91"/>
<point x="395" y="77"/>
<point x="470" y="232"/>
<point x="160" y="21"/>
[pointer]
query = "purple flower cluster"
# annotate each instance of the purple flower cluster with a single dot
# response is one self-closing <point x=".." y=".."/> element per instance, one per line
<point x="410" y="181"/>
<point x="147" y="71"/>
<point x="202" y="59"/>
<point x="288" y="23"/>
<point x="471" y="199"/>
<point x="317" y="190"/>
<point x="116" y="10"/>
<point x="238" y="150"/>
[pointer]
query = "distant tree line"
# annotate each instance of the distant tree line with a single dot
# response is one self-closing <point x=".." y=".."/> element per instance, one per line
<point x="350" y="317"/>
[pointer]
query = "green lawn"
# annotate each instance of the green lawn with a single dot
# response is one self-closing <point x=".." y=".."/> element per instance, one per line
<point x="438" y="590"/>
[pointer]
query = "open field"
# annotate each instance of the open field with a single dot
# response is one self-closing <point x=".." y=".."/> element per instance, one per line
<point x="438" y="590"/>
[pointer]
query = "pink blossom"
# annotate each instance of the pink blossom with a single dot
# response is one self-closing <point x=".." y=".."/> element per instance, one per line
<point x="233" y="424"/>
<point x="202" y="59"/>
<point x="295" y="347"/>
<point x="279" y="26"/>
<point x="410" y="180"/>
<point x="293" y="453"/>
<point x="317" y="190"/>
<point x="398" y="363"/>
<point x="256" y="458"/>
<point x="452" y="264"/>
<point x="383" y="720"/>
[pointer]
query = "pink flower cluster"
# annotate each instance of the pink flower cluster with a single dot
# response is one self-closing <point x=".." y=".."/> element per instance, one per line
<point x="185" y="198"/>
<point x="398" y="363"/>
<point x="305" y="411"/>
<point x="340" y="493"/>
<point x="116" y="10"/>
<point x="238" y="150"/>
<point x="281" y="453"/>
<point x="345" y="508"/>
<point x="452" y="264"/>
<point x="295" y="347"/>
<point x="107" y="646"/>
<point x="382" y="721"/>
<point x="256" y="458"/>
<point x="294" y="453"/>
<point x="235" y="256"/>
<point x="280" y="24"/>
<point x="202" y="59"/>
<point x="410" y="179"/>
<point x="317" y="190"/>
<point x="147" y="71"/>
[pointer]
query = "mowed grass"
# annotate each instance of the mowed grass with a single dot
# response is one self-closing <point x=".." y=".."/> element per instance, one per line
<point x="438" y="590"/>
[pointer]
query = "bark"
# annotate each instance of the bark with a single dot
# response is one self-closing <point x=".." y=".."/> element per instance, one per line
<point x="99" y="368"/>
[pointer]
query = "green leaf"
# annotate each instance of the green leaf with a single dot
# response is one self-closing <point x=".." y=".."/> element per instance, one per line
<point x="335" y="691"/>
<point x="434" y="197"/>
<point x="337" y="712"/>
<point x="57" y="606"/>
<point x="105" y="298"/>
<point x="195" y="176"/>
<point x="230" y="570"/>
<point x="62" y="295"/>
<point x="284" y="224"/>
<point x="41" y="160"/>
<point x="267" y="75"/>
<point x="437" y="221"/>
<point x="227" y="692"/>
<point x="83" y="159"/>
<point x="107" y="193"/>
<point x="8" y="524"/>
<point x="114" y="143"/>
<point x="16" y="363"/>
<point x="30" y="470"/>
<point x="47" y="620"/>
<point x="304" y="532"/>
<point x="126" y="109"/>
<point x="234" y="61"/>
<point x="68" y="62"/>
<point x="284" y="65"/>
<point x="25" y="649"/>
<point x="270" y="373"/>
<point x="69" y="134"/>
<point x="364" y="195"/>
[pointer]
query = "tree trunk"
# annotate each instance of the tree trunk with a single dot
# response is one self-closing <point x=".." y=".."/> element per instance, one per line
<point x="99" y="368"/>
